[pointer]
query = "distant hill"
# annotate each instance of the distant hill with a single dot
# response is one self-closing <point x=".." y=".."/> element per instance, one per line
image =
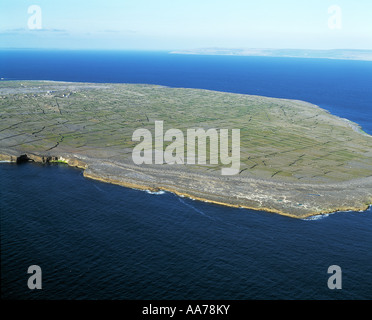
<point x="346" y="54"/>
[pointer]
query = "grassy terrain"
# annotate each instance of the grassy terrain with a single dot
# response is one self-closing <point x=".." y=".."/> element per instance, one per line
<point x="280" y="139"/>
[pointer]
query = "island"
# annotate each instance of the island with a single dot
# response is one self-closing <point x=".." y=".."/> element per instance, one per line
<point x="296" y="159"/>
<point x="343" y="54"/>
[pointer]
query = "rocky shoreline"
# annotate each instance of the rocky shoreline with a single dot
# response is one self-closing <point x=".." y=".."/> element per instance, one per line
<point x="290" y="199"/>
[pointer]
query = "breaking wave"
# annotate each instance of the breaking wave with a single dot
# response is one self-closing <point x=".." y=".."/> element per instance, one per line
<point x="316" y="217"/>
<point x="155" y="192"/>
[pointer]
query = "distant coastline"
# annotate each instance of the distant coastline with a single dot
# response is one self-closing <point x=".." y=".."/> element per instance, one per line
<point x="340" y="54"/>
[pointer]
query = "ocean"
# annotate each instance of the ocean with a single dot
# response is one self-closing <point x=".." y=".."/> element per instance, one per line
<point x="99" y="241"/>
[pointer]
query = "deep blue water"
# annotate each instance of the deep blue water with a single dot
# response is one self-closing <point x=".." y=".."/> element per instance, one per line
<point x="100" y="241"/>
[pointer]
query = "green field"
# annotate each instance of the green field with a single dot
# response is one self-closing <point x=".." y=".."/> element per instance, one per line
<point x="284" y="140"/>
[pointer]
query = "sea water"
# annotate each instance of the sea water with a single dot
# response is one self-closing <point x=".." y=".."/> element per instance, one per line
<point x="99" y="241"/>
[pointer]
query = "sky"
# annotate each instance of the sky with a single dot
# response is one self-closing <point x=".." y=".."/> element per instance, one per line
<point x="186" y="24"/>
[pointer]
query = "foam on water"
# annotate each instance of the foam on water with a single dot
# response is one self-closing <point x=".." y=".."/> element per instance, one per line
<point x="322" y="216"/>
<point x="195" y="209"/>
<point x="155" y="192"/>
<point x="316" y="217"/>
<point x="98" y="188"/>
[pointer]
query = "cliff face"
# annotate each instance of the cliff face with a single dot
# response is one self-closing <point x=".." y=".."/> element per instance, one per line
<point x="30" y="157"/>
<point x="8" y="158"/>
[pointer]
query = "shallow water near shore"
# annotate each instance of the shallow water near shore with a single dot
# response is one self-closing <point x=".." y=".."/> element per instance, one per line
<point x="99" y="241"/>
